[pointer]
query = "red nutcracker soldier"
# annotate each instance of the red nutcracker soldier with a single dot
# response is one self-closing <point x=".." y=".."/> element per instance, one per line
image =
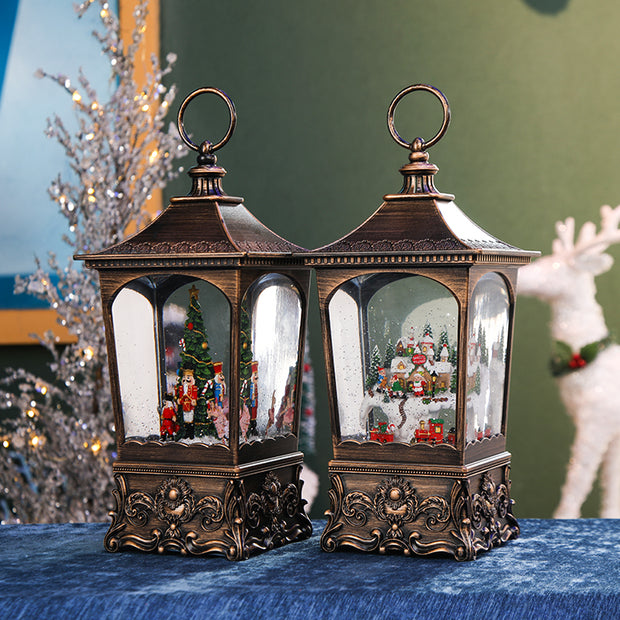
<point x="169" y="424"/>
<point x="253" y="397"/>
<point x="187" y="396"/>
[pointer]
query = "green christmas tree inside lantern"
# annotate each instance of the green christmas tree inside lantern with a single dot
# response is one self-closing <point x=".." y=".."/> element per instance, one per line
<point x="248" y="374"/>
<point x="196" y="369"/>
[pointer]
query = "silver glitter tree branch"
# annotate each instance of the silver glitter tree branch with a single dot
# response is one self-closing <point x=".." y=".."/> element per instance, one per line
<point x="56" y="438"/>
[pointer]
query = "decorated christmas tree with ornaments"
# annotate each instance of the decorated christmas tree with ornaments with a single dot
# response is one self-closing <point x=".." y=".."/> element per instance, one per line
<point x="198" y="374"/>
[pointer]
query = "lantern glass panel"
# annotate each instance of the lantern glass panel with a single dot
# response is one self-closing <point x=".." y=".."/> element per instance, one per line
<point x="196" y="331"/>
<point x="489" y="324"/>
<point x="133" y="316"/>
<point x="271" y="316"/>
<point x="394" y="342"/>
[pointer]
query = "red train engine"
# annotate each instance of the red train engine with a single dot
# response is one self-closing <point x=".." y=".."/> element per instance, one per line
<point x="431" y="434"/>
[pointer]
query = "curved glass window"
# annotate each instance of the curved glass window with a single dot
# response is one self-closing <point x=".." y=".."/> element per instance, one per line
<point x="271" y="314"/>
<point x="488" y="332"/>
<point x="173" y="357"/>
<point x="133" y="316"/>
<point x="394" y="343"/>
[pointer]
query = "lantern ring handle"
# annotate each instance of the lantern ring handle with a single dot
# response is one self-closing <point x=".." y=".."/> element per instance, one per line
<point x="419" y="144"/>
<point x="206" y="148"/>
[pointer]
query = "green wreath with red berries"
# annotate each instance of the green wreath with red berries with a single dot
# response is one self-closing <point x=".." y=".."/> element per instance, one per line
<point x="564" y="360"/>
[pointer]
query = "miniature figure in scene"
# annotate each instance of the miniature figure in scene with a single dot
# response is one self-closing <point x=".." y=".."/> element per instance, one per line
<point x="219" y="417"/>
<point x="201" y="387"/>
<point x="418" y="384"/>
<point x="286" y="414"/>
<point x="271" y="414"/>
<point x="586" y="361"/>
<point x="187" y="397"/>
<point x="169" y="425"/>
<point x="244" y="421"/>
<point x="219" y="387"/>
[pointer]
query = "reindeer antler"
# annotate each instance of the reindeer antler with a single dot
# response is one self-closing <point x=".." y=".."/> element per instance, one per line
<point x="588" y="241"/>
<point x="566" y="234"/>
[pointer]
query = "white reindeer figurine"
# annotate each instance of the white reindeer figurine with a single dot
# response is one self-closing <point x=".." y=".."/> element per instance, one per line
<point x="586" y="361"/>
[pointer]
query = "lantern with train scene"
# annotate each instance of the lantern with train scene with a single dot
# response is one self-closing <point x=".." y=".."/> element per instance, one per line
<point x="417" y="308"/>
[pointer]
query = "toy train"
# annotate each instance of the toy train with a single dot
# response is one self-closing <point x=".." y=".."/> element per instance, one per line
<point x="433" y="433"/>
<point x="383" y="432"/>
<point x="428" y="432"/>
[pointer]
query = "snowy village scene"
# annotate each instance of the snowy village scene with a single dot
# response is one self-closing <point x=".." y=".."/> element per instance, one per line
<point x="411" y="390"/>
<point x="408" y="385"/>
<point x="407" y="392"/>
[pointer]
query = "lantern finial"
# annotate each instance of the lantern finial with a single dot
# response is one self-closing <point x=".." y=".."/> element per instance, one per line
<point x="207" y="175"/>
<point x="419" y="144"/>
<point x="419" y="172"/>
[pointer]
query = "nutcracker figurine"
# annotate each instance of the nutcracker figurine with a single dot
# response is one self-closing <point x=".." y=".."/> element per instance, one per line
<point x="187" y="397"/>
<point x="219" y="384"/>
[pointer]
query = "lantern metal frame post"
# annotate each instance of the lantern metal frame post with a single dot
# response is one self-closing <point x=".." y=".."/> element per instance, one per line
<point x="450" y="495"/>
<point x="236" y="497"/>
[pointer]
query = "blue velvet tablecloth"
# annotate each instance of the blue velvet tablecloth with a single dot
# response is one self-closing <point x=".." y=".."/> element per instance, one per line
<point x="557" y="569"/>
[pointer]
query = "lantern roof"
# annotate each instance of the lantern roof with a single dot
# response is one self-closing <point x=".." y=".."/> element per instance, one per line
<point x="205" y="227"/>
<point x="419" y="218"/>
<point x="204" y="224"/>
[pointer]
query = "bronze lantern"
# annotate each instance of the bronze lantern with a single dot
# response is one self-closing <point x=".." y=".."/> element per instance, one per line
<point x="205" y="311"/>
<point x="417" y="308"/>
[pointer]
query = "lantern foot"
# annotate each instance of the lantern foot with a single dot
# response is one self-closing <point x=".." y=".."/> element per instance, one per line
<point x="375" y="508"/>
<point x="191" y="511"/>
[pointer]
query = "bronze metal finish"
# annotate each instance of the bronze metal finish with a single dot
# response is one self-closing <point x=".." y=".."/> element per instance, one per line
<point x="418" y="498"/>
<point x="419" y="144"/>
<point x="206" y="146"/>
<point x="232" y="498"/>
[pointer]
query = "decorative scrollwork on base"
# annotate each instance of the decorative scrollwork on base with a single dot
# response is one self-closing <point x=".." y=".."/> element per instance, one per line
<point x="397" y="519"/>
<point x="491" y="513"/>
<point x="172" y="518"/>
<point x="275" y="514"/>
<point x="389" y="512"/>
<point x="172" y="505"/>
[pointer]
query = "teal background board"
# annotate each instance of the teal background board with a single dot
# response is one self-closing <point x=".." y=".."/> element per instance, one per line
<point x="533" y="88"/>
<point x="49" y="36"/>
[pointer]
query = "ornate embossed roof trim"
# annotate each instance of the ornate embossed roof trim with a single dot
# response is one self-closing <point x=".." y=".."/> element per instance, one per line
<point x="269" y="246"/>
<point x="495" y="244"/>
<point x="402" y="245"/>
<point x="171" y="247"/>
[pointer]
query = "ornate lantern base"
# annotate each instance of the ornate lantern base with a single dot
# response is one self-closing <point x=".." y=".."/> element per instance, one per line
<point x="199" y="510"/>
<point x="400" y="508"/>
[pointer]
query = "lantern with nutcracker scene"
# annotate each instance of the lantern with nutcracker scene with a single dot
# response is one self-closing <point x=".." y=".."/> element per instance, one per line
<point x="417" y="310"/>
<point x="205" y="312"/>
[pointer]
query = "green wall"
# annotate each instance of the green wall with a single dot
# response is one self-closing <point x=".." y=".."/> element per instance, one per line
<point x="534" y="91"/>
